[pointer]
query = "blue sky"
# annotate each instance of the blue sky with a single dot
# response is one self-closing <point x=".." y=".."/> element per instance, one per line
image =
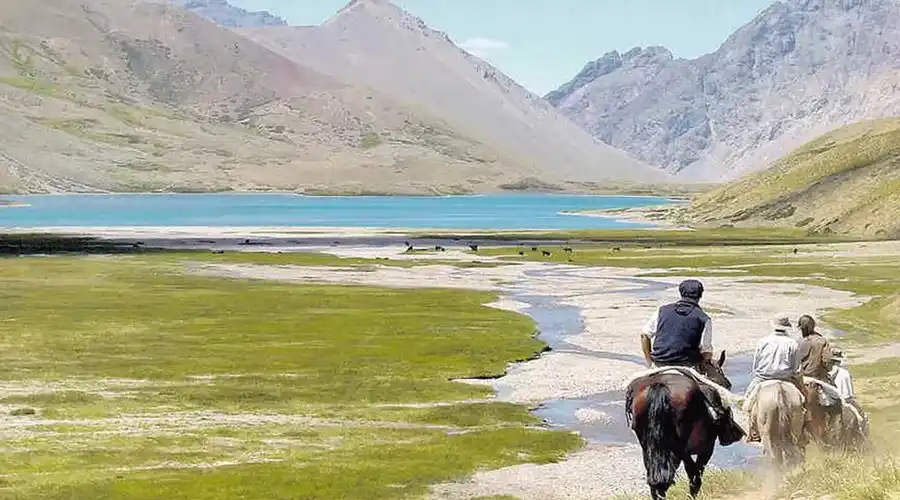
<point x="543" y="43"/>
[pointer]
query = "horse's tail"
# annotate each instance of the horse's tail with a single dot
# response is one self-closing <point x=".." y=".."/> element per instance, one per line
<point x="659" y="457"/>
<point x="784" y="415"/>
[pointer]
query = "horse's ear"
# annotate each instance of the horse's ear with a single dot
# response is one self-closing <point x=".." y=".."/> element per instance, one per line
<point x="722" y="359"/>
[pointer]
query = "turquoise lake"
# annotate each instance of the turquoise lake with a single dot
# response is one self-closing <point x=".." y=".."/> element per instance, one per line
<point x="512" y="211"/>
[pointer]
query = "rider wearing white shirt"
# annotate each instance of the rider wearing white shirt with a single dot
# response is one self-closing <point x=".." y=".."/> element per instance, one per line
<point x="776" y="357"/>
<point x="843" y="381"/>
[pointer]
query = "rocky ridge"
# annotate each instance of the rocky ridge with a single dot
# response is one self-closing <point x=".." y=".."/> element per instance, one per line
<point x="801" y="68"/>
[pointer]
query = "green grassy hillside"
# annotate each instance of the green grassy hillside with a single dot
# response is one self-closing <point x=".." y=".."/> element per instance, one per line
<point x="845" y="182"/>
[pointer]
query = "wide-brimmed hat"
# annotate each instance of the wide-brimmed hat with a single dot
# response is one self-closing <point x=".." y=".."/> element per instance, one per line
<point x="837" y="354"/>
<point x="781" y="323"/>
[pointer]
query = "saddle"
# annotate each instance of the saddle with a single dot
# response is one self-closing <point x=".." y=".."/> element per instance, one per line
<point x="751" y="395"/>
<point x="726" y="395"/>
<point x="829" y="395"/>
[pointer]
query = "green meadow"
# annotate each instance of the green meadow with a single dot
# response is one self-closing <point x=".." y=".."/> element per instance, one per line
<point x="149" y="383"/>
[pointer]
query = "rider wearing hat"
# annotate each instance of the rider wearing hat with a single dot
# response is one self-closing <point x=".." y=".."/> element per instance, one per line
<point x="844" y="382"/>
<point x="776" y="358"/>
<point x="680" y="335"/>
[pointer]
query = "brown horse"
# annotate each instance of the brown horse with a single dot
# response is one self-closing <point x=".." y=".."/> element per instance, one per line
<point x="669" y="415"/>
<point x="823" y="423"/>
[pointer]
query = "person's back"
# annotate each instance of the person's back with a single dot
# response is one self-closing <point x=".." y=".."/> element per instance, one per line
<point x="680" y="333"/>
<point x="815" y="351"/>
<point x="776" y="357"/>
<point x="843" y="382"/>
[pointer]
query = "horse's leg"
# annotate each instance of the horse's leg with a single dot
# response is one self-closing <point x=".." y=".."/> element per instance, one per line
<point x="696" y="479"/>
<point x="694" y="474"/>
<point x="797" y="437"/>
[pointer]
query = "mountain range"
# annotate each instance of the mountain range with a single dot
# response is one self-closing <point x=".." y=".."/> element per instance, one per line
<point x="800" y="69"/>
<point x="199" y="95"/>
<point x="121" y="95"/>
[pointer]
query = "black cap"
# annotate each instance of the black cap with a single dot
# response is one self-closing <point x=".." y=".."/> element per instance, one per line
<point x="691" y="289"/>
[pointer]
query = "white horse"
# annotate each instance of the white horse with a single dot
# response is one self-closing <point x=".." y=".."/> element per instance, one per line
<point x="779" y="413"/>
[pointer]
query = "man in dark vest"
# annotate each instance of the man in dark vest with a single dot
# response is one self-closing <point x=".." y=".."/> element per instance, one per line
<point x="680" y="334"/>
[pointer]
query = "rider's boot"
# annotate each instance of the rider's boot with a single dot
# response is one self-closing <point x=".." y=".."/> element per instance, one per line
<point x="729" y="431"/>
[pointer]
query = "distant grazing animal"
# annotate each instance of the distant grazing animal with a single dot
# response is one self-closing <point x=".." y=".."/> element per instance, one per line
<point x="534" y="249"/>
<point x="795" y="251"/>
<point x="408" y="245"/>
<point x="616" y="249"/>
<point x="219" y="251"/>
<point x="546" y="253"/>
<point x="521" y="253"/>
<point x="474" y="247"/>
<point x="439" y="248"/>
<point x="567" y="249"/>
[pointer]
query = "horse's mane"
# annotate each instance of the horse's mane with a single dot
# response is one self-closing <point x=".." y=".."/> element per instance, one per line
<point x="726" y="395"/>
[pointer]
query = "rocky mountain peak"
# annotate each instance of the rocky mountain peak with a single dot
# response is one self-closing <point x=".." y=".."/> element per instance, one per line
<point x="609" y="63"/>
<point x="799" y="69"/>
<point x="386" y="12"/>
<point x="223" y="13"/>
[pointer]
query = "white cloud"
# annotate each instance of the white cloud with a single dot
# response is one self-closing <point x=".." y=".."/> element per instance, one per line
<point x="483" y="47"/>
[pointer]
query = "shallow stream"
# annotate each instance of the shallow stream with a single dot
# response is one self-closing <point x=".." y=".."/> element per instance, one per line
<point x="556" y="322"/>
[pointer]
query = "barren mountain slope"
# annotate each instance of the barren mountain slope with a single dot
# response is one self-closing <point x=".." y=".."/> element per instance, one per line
<point x="121" y="95"/>
<point x="376" y="43"/>
<point x="846" y="182"/>
<point x="799" y="70"/>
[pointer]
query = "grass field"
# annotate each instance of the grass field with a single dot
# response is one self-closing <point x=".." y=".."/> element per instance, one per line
<point x="843" y="182"/>
<point x="150" y="384"/>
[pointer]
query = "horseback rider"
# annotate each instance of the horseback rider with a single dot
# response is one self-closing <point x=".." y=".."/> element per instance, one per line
<point x="815" y="351"/>
<point x="680" y="335"/>
<point x="844" y="383"/>
<point x="776" y="358"/>
<point x="815" y="362"/>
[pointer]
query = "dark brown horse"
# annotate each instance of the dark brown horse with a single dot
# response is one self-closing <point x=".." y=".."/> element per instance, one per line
<point x="668" y="413"/>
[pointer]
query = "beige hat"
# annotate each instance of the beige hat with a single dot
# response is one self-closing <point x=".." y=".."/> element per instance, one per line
<point x="781" y="323"/>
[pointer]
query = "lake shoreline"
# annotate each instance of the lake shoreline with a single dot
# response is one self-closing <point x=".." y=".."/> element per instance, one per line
<point x="661" y="216"/>
<point x="297" y="212"/>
